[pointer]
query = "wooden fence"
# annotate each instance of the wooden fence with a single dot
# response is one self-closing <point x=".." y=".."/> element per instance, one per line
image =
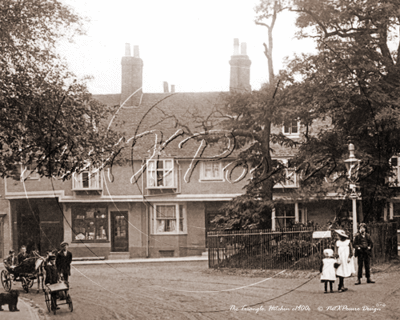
<point x="287" y="248"/>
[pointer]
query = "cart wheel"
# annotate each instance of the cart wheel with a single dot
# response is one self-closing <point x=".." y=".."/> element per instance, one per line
<point x="48" y="300"/>
<point x="6" y="280"/>
<point x="69" y="301"/>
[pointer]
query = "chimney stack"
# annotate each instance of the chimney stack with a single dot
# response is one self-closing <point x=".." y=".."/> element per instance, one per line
<point x="240" y="68"/>
<point x="166" y="90"/>
<point x="132" y="76"/>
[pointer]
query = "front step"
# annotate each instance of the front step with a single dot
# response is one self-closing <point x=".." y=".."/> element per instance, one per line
<point x="118" y="255"/>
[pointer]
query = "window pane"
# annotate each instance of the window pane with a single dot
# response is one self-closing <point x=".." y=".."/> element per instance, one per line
<point x="168" y="164"/>
<point x="394" y="162"/>
<point x="181" y="218"/>
<point x="286" y="129"/>
<point x="169" y="179"/>
<point x="85" y="179"/>
<point x="294" y="127"/>
<point x="160" y="178"/>
<point x="151" y="166"/>
<point x="165" y="211"/>
<point x="160" y="165"/>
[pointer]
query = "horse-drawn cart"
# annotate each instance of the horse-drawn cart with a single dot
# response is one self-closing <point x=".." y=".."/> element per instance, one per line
<point x="26" y="273"/>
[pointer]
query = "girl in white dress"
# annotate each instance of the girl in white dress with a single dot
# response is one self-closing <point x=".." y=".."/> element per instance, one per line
<point x="327" y="269"/>
<point x="345" y="251"/>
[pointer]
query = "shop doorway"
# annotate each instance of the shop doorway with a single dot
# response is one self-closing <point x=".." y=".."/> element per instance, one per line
<point x="119" y="231"/>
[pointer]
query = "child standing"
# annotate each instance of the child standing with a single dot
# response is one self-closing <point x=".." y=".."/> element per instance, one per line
<point x="345" y="251"/>
<point x="328" y="266"/>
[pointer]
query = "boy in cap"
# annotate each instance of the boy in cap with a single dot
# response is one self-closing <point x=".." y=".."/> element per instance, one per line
<point x="64" y="259"/>
<point x="52" y="277"/>
<point x="363" y="245"/>
<point x="328" y="266"/>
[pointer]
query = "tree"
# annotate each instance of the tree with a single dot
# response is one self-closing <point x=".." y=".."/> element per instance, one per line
<point x="354" y="81"/>
<point x="250" y="116"/>
<point x="47" y="118"/>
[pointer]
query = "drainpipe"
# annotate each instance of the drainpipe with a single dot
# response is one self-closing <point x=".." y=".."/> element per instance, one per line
<point x="147" y="217"/>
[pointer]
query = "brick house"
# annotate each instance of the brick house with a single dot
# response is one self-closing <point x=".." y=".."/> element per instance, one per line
<point x="156" y="201"/>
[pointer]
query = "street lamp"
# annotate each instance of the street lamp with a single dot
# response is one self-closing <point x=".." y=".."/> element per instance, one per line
<point x="352" y="166"/>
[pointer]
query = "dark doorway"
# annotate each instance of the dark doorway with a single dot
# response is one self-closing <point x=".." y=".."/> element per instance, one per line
<point x="119" y="231"/>
<point x="39" y="224"/>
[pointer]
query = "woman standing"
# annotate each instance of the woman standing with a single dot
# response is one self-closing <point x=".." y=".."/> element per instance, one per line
<point x="345" y="251"/>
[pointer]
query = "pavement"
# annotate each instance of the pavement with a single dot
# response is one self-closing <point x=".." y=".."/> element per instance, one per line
<point x="27" y="311"/>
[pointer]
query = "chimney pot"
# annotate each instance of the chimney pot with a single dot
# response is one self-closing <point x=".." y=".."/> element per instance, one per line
<point x="235" y="46"/>
<point x="243" y="48"/>
<point x="136" y="51"/>
<point x="127" y="49"/>
<point x="172" y="88"/>
<point x="166" y="90"/>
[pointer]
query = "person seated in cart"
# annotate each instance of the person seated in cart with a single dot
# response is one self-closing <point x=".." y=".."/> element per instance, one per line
<point x="23" y="255"/>
<point x="11" y="262"/>
<point x="52" y="277"/>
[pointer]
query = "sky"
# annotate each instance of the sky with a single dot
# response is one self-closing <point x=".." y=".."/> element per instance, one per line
<point x="184" y="42"/>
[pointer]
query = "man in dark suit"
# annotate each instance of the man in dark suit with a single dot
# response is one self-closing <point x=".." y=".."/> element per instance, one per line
<point x="11" y="261"/>
<point x="363" y="245"/>
<point x="63" y="261"/>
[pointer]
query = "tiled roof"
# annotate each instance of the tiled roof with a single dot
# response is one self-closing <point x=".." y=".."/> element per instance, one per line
<point x="164" y="112"/>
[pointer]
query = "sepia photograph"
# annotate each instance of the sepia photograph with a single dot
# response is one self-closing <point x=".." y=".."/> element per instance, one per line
<point x="226" y="159"/>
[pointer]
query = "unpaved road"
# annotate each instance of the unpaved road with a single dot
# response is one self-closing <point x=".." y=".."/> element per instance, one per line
<point x="189" y="290"/>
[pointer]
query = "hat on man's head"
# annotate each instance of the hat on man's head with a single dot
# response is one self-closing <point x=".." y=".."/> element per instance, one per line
<point x="63" y="244"/>
<point x="341" y="233"/>
<point x="328" y="253"/>
<point x="52" y="257"/>
<point x="11" y="251"/>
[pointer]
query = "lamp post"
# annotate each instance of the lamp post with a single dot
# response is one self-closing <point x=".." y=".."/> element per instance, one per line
<point x="352" y="166"/>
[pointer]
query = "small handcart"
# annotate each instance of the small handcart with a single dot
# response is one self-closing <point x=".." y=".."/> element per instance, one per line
<point x="61" y="290"/>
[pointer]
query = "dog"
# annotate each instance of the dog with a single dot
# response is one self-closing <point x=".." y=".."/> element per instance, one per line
<point x="10" y="298"/>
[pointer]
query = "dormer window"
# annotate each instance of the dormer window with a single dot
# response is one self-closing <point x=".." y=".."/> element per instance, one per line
<point x="160" y="174"/>
<point x="87" y="180"/>
<point x="291" y="128"/>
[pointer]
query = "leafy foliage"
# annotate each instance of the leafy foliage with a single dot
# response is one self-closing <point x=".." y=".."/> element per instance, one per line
<point x="47" y="117"/>
<point x="353" y="80"/>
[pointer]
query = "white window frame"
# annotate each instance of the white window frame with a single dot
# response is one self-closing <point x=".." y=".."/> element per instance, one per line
<point x="395" y="180"/>
<point x="178" y="208"/>
<point x="290" y="133"/>
<point x="27" y="172"/>
<point x="284" y="217"/>
<point x="288" y="173"/>
<point x="152" y="173"/>
<point x="203" y="166"/>
<point x="93" y="184"/>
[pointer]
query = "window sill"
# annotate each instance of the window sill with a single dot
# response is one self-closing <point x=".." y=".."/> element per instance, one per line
<point x="90" y="241"/>
<point x="158" y="188"/>
<point x="87" y="189"/>
<point x="169" y="234"/>
<point x="211" y="180"/>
